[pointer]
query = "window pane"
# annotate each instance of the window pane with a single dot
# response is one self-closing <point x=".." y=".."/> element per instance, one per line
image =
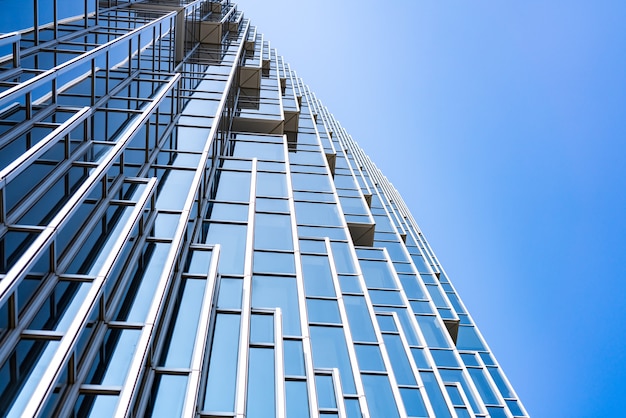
<point x="377" y="274"/>
<point x="297" y="399"/>
<point x="274" y="262"/>
<point x="379" y="396"/>
<point x="220" y="388"/>
<point x="330" y="350"/>
<point x="232" y="239"/>
<point x="325" y="391"/>
<point x="170" y="396"/>
<point x="278" y="292"/>
<point x="272" y="232"/>
<point x="323" y="310"/>
<point x="261" y="402"/>
<point x="359" y="319"/>
<point x="317" y="276"/>
<point x="294" y="358"/>
<point x="369" y="358"/>
<point x="399" y="360"/>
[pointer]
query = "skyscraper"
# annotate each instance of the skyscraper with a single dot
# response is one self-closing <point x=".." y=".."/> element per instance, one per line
<point x="185" y="230"/>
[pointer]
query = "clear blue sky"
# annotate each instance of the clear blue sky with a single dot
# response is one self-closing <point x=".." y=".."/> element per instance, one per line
<point x="503" y="125"/>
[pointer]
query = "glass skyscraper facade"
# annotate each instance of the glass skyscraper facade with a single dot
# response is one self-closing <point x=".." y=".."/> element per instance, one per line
<point x="185" y="230"/>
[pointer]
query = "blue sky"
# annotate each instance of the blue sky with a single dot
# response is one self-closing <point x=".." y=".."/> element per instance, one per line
<point x="503" y="125"/>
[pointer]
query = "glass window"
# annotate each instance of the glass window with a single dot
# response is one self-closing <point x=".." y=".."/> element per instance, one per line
<point x="379" y="396"/>
<point x="297" y="399"/>
<point x="350" y="284"/>
<point x="456" y="376"/>
<point x="260" y="150"/>
<point x="353" y="409"/>
<point x="310" y="213"/>
<point x="343" y="257"/>
<point x="267" y="262"/>
<point x="420" y="358"/>
<point x="185" y="325"/>
<point x="323" y="310"/>
<point x="227" y="212"/>
<point x="420" y="307"/>
<point x="230" y="293"/>
<point x="220" y="388"/>
<point x="359" y="319"/>
<point x="198" y="262"/>
<point x="271" y="184"/>
<point x="170" y="396"/>
<point x="433" y="331"/>
<point x="260" y="390"/>
<point x="96" y="406"/>
<point x="399" y="360"/>
<point x="369" y="358"/>
<point x="294" y="358"/>
<point x="468" y="339"/>
<point x="317" y="276"/>
<point x="271" y="205"/>
<point x="435" y="395"/>
<point x="232" y="239"/>
<point x="444" y="358"/>
<point x="321" y="232"/>
<point x="482" y="384"/>
<point x="330" y="350"/>
<point x="111" y="365"/>
<point x="261" y="329"/>
<point x="385" y="297"/>
<point x="455" y="395"/>
<point x="325" y="391"/>
<point x="405" y="322"/>
<point x="411" y="287"/>
<point x="312" y="246"/>
<point x="311" y="182"/>
<point x="498" y="378"/>
<point x="377" y="274"/>
<point x="272" y="232"/>
<point x="413" y="403"/>
<point x="233" y="186"/>
<point x="278" y="292"/>
<point x="386" y="323"/>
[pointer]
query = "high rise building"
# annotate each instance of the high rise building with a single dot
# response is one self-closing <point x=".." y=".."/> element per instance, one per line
<point x="185" y="230"/>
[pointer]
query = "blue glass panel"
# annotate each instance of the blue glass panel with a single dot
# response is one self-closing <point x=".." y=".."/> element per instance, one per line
<point x="411" y="287"/>
<point x="266" y="262"/>
<point x="343" y="257"/>
<point x="437" y="296"/>
<point x="260" y="390"/>
<point x="309" y="213"/>
<point x="111" y="365"/>
<point x="185" y="325"/>
<point x="174" y="188"/>
<point x="462" y="413"/>
<point x="350" y="284"/>
<point x="413" y="403"/>
<point x="359" y="319"/>
<point x="232" y="239"/>
<point x="272" y="232"/>
<point x="498" y="378"/>
<point x="405" y="322"/>
<point x="96" y="406"/>
<point x="495" y="412"/>
<point x="220" y="387"/>
<point x="515" y="408"/>
<point x="325" y="391"/>
<point x="329" y="351"/>
<point x="379" y="396"/>
<point x="386" y="323"/>
<point x="433" y="331"/>
<point x="271" y="184"/>
<point x="323" y="310"/>
<point x="297" y="399"/>
<point x="228" y="212"/>
<point x="262" y="329"/>
<point x="233" y="186"/>
<point x="369" y="358"/>
<point x="353" y="409"/>
<point x="294" y="358"/>
<point x="317" y="276"/>
<point x="170" y="396"/>
<point x="385" y="297"/>
<point x="455" y="395"/>
<point x="312" y="246"/>
<point x="271" y="205"/>
<point x="470" y="359"/>
<point x="435" y="395"/>
<point x="444" y="358"/>
<point x="199" y="261"/>
<point x="230" y="293"/>
<point x="377" y="274"/>
<point x="420" y="358"/>
<point x="421" y="306"/>
<point x="484" y="388"/>
<point x="321" y="232"/>
<point x="468" y="339"/>
<point x="311" y="182"/>
<point x="452" y="375"/>
<point x="278" y="292"/>
<point x="399" y="360"/>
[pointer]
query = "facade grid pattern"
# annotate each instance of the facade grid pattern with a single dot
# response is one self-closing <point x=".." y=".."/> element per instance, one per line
<point x="186" y="230"/>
